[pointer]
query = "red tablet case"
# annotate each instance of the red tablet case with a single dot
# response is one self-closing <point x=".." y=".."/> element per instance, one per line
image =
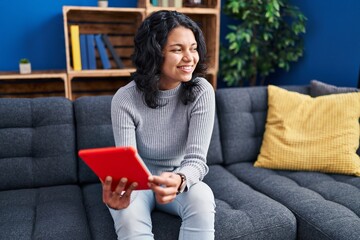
<point x="117" y="162"/>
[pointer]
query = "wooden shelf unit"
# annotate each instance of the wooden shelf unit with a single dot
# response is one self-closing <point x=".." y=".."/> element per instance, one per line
<point x="121" y="24"/>
<point x="37" y="78"/>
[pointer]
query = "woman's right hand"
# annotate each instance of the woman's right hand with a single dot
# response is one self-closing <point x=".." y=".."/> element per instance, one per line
<point x="120" y="198"/>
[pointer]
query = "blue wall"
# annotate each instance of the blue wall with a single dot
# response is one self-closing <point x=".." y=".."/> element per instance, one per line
<point x="332" y="44"/>
<point x="34" y="29"/>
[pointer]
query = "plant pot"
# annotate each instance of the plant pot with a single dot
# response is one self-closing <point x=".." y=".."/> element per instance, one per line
<point x="25" y="68"/>
<point x="103" y="3"/>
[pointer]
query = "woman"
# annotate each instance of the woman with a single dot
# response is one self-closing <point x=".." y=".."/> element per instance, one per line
<point x="167" y="114"/>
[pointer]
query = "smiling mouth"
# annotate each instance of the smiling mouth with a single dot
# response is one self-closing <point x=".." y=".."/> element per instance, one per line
<point x="186" y="68"/>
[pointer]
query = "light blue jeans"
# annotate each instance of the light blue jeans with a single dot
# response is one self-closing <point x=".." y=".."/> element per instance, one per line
<point x="196" y="207"/>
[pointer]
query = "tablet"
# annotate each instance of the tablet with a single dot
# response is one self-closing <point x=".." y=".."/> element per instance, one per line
<point x="117" y="162"/>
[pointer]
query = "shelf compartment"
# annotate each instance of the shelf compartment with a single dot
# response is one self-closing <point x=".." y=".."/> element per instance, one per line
<point x="120" y="24"/>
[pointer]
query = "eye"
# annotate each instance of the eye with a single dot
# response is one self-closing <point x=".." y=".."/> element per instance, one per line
<point x="176" y="50"/>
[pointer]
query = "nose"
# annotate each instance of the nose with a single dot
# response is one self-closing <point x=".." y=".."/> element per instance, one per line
<point x="187" y="56"/>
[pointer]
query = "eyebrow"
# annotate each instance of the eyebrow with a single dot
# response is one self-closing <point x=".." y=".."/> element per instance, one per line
<point x="179" y="44"/>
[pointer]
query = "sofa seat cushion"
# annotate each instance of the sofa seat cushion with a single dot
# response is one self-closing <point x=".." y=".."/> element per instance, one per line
<point x="243" y="213"/>
<point x="165" y="226"/>
<point x="43" y="213"/>
<point x="326" y="206"/>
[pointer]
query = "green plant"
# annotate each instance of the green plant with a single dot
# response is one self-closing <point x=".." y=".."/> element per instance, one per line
<point x="24" y="60"/>
<point x="268" y="36"/>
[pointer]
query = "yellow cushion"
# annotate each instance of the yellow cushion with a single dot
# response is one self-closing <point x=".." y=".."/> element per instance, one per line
<point x="311" y="134"/>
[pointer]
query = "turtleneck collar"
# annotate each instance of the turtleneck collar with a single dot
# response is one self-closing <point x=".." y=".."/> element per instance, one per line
<point x="170" y="92"/>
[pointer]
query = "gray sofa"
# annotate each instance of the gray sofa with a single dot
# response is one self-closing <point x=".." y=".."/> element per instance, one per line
<point x="47" y="192"/>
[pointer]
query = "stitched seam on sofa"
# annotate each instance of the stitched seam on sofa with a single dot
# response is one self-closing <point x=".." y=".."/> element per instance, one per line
<point x="32" y="144"/>
<point x="52" y="125"/>
<point x="220" y="134"/>
<point x="35" y="213"/>
<point x="83" y="202"/>
<point x="260" y="230"/>
<point x="84" y="125"/>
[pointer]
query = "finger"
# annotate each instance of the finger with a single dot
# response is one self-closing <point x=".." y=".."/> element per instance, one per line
<point x="120" y="187"/>
<point x="163" y="191"/>
<point x="160" y="180"/>
<point x="131" y="188"/>
<point x="123" y="201"/>
<point x="107" y="189"/>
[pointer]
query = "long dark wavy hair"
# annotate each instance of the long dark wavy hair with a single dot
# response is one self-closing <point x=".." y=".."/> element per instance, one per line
<point x="149" y="42"/>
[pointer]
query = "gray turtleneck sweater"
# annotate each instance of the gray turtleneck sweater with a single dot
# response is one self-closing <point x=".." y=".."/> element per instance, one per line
<point x="173" y="137"/>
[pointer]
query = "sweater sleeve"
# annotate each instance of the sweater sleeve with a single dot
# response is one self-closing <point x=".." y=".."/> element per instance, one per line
<point x="202" y="116"/>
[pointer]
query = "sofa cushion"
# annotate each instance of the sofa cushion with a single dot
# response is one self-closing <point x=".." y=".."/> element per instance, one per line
<point x="242" y="116"/>
<point x="43" y="213"/>
<point x="326" y="206"/>
<point x="318" y="88"/>
<point x="93" y="129"/>
<point x="243" y="213"/>
<point x="37" y="143"/>
<point x="311" y="134"/>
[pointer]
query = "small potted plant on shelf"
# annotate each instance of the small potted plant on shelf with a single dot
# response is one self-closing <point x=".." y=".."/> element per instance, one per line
<point x="102" y="3"/>
<point x="24" y="66"/>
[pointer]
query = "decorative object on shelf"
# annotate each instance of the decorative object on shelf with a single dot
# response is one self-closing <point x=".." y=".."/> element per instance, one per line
<point x="155" y="3"/>
<point x="103" y="3"/>
<point x="268" y="36"/>
<point x="192" y="3"/>
<point x="24" y="66"/>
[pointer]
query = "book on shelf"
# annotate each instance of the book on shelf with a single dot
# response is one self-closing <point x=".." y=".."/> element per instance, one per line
<point x="75" y="47"/>
<point x="112" y="50"/>
<point x="178" y="3"/>
<point x="102" y="52"/>
<point x="83" y="52"/>
<point x="91" y="51"/>
<point x="155" y="3"/>
<point x="173" y="3"/>
<point x="163" y="3"/>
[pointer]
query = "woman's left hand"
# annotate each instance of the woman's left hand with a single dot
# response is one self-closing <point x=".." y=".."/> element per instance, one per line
<point x="165" y="186"/>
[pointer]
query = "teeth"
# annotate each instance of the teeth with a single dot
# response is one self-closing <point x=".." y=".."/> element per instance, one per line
<point x="186" y="67"/>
